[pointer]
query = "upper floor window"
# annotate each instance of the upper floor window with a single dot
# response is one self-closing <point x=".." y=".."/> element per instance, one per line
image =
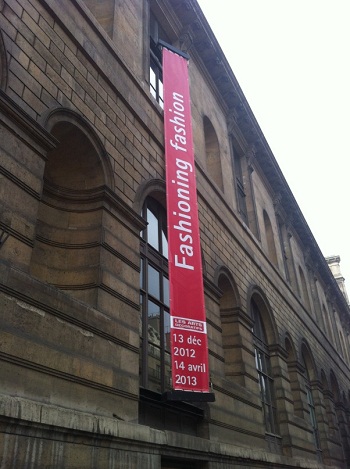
<point x="327" y="324"/>
<point x="263" y="366"/>
<point x="309" y="399"/>
<point x="212" y="150"/>
<point x="154" y="297"/>
<point x="156" y="72"/>
<point x="270" y="239"/>
<point x="305" y="294"/>
<point x="241" y="195"/>
<point x="283" y="242"/>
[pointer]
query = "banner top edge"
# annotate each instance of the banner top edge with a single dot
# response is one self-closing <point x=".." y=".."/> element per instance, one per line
<point x="174" y="49"/>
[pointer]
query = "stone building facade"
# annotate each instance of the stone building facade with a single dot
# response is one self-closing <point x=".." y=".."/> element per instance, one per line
<point x="84" y="355"/>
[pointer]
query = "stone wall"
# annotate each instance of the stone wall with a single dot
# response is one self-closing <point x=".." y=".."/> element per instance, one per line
<point x="81" y="146"/>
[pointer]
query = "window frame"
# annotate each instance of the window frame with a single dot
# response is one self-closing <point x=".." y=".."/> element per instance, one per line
<point x="239" y="185"/>
<point x="263" y="367"/>
<point x="156" y="32"/>
<point x="151" y="257"/>
<point x="281" y="236"/>
<point x="311" y="405"/>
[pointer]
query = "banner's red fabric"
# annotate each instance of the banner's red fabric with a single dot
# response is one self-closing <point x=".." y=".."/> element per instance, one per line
<point x="188" y="330"/>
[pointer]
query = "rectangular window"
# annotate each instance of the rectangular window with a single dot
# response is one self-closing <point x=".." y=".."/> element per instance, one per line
<point x="155" y="321"/>
<point x="156" y="72"/>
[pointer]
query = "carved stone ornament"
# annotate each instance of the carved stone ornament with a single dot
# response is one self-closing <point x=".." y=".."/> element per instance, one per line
<point x="186" y="39"/>
<point x="289" y="223"/>
<point x="232" y="121"/>
<point x="251" y="155"/>
<point x="277" y="200"/>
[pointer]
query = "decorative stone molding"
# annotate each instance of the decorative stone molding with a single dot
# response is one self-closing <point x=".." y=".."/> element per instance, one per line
<point x="277" y="349"/>
<point x="277" y="200"/>
<point x="186" y="39"/>
<point x="297" y="366"/>
<point x="232" y="121"/>
<point x="277" y="203"/>
<point x="251" y="157"/>
<point x="308" y="259"/>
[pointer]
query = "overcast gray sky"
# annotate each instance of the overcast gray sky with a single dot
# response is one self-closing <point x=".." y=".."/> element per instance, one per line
<point x="291" y="59"/>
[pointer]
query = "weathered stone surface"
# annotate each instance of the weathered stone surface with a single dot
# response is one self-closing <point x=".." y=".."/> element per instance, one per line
<point x="81" y="143"/>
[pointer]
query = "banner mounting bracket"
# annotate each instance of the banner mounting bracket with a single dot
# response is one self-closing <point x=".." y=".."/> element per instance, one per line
<point x="173" y="49"/>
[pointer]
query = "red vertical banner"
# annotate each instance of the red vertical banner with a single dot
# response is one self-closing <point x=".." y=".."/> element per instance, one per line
<point x="188" y="331"/>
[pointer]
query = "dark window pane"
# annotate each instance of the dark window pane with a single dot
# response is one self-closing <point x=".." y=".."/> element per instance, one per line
<point x="156" y="364"/>
<point x="141" y="315"/>
<point x="167" y="371"/>
<point x="269" y="419"/>
<point x="141" y="273"/>
<point x="154" y="367"/>
<point x="153" y="282"/>
<point x="153" y="322"/>
<point x="167" y="330"/>
<point x="156" y="81"/>
<point x="262" y="362"/>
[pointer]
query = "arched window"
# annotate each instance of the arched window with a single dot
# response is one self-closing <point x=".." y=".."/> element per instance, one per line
<point x="263" y="366"/>
<point x="270" y="240"/>
<point x="283" y="238"/>
<point x="155" y="362"/>
<point x="212" y="151"/>
<point x="155" y="316"/>
<point x="240" y="190"/>
<point x="305" y="294"/>
<point x="328" y="326"/>
<point x="306" y="362"/>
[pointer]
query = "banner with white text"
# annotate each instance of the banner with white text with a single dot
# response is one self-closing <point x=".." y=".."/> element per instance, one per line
<point x="188" y="331"/>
